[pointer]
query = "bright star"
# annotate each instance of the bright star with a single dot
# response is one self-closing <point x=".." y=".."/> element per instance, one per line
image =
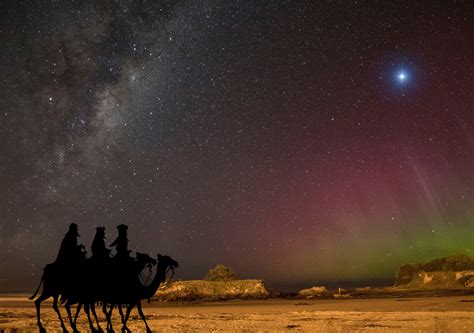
<point x="402" y="76"/>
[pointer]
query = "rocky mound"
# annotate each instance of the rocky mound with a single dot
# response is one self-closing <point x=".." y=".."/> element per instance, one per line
<point x="444" y="273"/>
<point x="314" y="292"/>
<point x="212" y="290"/>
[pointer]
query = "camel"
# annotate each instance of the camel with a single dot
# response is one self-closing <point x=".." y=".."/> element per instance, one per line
<point x="93" y="293"/>
<point x="53" y="281"/>
<point x="137" y="291"/>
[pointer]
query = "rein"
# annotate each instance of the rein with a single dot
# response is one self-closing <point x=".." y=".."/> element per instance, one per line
<point x="172" y="272"/>
<point x="170" y="268"/>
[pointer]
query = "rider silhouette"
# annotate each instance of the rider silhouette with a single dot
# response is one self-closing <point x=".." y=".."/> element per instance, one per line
<point x="99" y="251"/>
<point x="121" y="242"/>
<point x="122" y="264"/>
<point x="70" y="252"/>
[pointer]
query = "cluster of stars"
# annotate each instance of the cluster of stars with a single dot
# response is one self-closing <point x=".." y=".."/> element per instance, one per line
<point x="269" y="130"/>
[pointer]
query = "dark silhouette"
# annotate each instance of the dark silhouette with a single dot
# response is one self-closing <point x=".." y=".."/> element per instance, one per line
<point x="136" y="291"/>
<point x="113" y="281"/>
<point x="121" y="242"/>
<point x="90" y="291"/>
<point x="93" y="280"/>
<point x="70" y="252"/>
<point x="99" y="251"/>
<point x="60" y="276"/>
<point x="121" y="292"/>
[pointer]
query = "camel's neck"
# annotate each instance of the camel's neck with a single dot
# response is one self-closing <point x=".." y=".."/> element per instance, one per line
<point x="150" y="290"/>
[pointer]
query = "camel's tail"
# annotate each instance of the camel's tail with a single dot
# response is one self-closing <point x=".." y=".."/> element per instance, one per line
<point x="37" y="290"/>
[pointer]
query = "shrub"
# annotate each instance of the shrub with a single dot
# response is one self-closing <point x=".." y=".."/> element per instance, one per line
<point x="221" y="273"/>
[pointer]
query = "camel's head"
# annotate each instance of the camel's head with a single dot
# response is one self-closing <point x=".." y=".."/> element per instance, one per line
<point x="100" y="232"/>
<point x="167" y="261"/>
<point x="144" y="259"/>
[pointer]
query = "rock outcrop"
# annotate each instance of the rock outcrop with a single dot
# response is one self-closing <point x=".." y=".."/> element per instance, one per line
<point x="313" y="292"/>
<point x="445" y="273"/>
<point x="212" y="290"/>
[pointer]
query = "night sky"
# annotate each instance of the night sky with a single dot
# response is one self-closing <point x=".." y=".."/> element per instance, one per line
<point x="301" y="142"/>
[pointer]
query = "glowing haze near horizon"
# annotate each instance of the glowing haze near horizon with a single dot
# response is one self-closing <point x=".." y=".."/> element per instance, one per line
<point x="275" y="137"/>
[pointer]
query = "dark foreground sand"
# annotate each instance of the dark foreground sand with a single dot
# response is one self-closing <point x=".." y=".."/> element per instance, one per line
<point x="421" y="314"/>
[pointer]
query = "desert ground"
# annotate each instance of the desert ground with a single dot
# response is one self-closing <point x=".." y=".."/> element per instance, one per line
<point x="410" y="314"/>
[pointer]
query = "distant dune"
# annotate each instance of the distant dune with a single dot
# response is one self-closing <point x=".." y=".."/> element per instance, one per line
<point x="454" y="272"/>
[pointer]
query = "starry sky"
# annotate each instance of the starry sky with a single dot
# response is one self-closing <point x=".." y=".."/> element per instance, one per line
<point x="300" y="142"/>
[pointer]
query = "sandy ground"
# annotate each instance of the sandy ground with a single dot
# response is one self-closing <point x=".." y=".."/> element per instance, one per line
<point x="422" y="314"/>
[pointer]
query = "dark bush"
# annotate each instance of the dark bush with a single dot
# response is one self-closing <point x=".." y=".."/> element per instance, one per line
<point x="221" y="273"/>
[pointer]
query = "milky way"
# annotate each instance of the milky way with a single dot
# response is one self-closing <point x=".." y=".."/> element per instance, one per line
<point x="275" y="137"/>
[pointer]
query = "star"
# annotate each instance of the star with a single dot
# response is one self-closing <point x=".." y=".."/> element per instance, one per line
<point x="402" y="76"/>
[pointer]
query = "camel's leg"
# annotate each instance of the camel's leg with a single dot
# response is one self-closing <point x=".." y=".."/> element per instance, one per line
<point x="96" y="318"/>
<point x="140" y="312"/>
<point x="55" y="307"/>
<point x="71" y="322"/>
<point x="78" y="309"/>
<point x="121" y="314"/>
<point x="127" y="314"/>
<point x="109" y="319"/>
<point x="124" y="326"/>
<point x="87" y="310"/>
<point x="38" y="306"/>
<point x="104" y="310"/>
